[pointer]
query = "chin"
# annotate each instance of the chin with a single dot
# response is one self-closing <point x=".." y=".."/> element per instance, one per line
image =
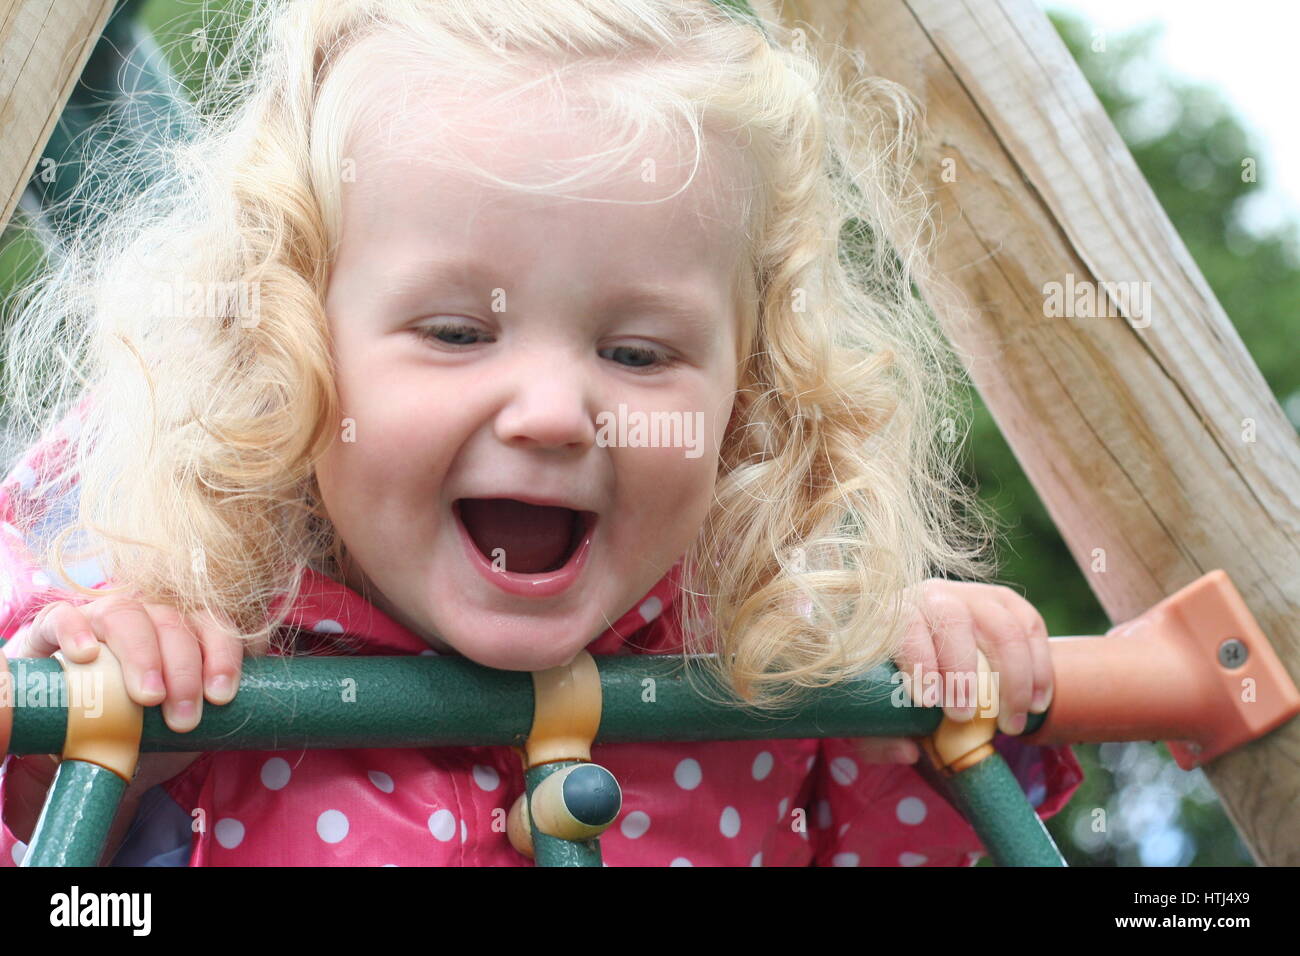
<point x="509" y="653"/>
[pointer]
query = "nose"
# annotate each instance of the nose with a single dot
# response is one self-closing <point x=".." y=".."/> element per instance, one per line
<point x="548" y="407"/>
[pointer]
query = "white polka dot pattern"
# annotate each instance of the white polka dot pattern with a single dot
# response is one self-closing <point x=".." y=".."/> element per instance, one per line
<point x="688" y="774"/>
<point x="911" y="810"/>
<point x="635" y="824"/>
<point x="276" y="773"/>
<point x="730" y="822"/>
<point x="229" y="833"/>
<point x="442" y="824"/>
<point x="332" y="826"/>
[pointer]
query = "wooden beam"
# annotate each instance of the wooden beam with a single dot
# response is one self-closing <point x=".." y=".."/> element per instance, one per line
<point x="1150" y="435"/>
<point x="44" y="45"/>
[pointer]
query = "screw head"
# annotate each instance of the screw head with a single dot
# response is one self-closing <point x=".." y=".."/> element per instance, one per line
<point x="1232" y="653"/>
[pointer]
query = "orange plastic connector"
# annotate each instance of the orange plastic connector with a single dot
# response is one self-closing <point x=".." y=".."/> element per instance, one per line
<point x="1195" y="671"/>
<point x="104" y="723"/>
<point x="566" y="716"/>
<point x="566" y="711"/>
<point x="958" y="745"/>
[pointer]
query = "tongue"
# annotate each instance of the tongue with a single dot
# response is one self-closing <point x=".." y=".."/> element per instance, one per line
<point x="532" y="538"/>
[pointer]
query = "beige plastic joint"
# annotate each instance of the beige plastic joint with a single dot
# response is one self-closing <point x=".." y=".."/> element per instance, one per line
<point x="566" y="712"/>
<point x="956" y="745"/>
<point x="104" y="723"/>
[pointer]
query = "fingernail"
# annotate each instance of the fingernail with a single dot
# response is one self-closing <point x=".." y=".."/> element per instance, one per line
<point x="1041" y="701"/>
<point x="183" y="714"/>
<point x="84" y="642"/>
<point x="219" y="687"/>
<point x="153" y="683"/>
<point x="963" y="714"/>
<point x="1017" y="723"/>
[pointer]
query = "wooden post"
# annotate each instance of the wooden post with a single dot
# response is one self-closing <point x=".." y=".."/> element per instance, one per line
<point x="44" y="45"/>
<point x="1150" y="435"/>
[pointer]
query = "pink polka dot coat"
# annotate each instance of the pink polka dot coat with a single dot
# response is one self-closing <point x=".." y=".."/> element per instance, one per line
<point x="726" y="803"/>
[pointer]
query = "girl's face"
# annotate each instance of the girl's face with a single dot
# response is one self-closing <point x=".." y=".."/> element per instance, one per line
<point x="482" y="337"/>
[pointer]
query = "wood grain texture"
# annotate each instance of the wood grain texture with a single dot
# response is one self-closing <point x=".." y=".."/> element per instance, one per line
<point x="1153" y="440"/>
<point x="44" y="44"/>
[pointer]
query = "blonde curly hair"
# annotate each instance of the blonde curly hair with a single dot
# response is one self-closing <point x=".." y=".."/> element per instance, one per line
<point x="838" y="488"/>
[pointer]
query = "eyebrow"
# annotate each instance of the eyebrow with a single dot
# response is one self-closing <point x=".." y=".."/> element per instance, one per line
<point x="417" y="274"/>
<point x="681" y="304"/>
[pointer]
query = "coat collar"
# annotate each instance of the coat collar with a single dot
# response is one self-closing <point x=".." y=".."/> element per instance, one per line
<point x="332" y="618"/>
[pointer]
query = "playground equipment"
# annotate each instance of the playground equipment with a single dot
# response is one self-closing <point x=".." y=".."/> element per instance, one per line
<point x="1150" y="436"/>
<point x="1196" y="667"/>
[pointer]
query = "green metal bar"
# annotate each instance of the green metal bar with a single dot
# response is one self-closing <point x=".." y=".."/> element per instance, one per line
<point x="991" y="800"/>
<point x="79" y="811"/>
<point x="341" y="702"/>
<point x="418" y="701"/>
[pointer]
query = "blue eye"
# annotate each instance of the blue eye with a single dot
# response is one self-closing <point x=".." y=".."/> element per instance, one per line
<point x="457" y="333"/>
<point x="642" y="358"/>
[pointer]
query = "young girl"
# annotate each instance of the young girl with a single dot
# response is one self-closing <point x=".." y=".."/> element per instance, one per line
<point x="506" y="330"/>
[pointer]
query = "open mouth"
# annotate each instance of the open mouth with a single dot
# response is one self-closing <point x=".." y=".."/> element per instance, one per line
<point x="522" y="538"/>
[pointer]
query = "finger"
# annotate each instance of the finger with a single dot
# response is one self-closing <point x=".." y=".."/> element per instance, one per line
<point x="953" y="632"/>
<point x="223" y="656"/>
<point x="915" y="659"/>
<point x="129" y="633"/>
<point x="61" y="627"/>
<point x="888" y="750"/>
<point x="1007" y="647"/>
<point x="182" y="661"/>
<point x="1040" y="651"/>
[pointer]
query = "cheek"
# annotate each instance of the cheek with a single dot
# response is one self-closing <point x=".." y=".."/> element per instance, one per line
<point x="387" y="409"/>
<point x="669" y="491"/>
<point x="676" y="484"/>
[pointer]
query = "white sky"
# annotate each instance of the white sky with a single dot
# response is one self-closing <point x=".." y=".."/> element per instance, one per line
<point x="1247" y="50"/>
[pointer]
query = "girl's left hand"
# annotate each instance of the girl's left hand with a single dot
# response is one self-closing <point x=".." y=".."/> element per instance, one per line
<point x="949" y="621"/>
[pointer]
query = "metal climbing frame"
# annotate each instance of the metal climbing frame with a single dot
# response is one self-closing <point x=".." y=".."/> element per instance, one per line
<point x="424" y="701"/>
<point x="1177" y="671"/>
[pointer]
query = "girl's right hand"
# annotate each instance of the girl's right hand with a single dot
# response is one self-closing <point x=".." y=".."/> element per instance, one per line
<point x="165" y="659"/>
